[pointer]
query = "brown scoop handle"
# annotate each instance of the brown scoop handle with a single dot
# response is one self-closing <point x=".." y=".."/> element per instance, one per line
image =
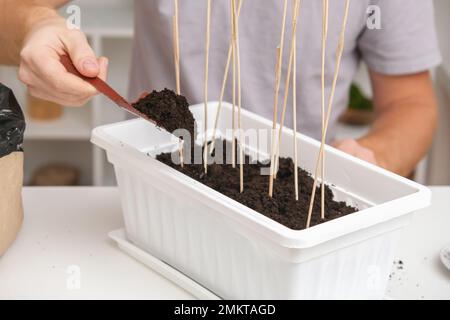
<point x="98" y="84"/>
<point x="104" y="88"/>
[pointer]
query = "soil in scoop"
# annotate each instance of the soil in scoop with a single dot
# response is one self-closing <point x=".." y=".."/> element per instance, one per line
<point x="169" y="110"/>
<point x="282" y="207"/>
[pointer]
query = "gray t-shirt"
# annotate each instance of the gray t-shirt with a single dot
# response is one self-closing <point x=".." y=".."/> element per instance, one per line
<point x="406" y="43"/>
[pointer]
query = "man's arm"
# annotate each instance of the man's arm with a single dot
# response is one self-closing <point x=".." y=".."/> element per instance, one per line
<point x="16" y="18"/>
<point x="406" y="120"/>
<point x="52" y="3"/>
<point x="34" y="36"/>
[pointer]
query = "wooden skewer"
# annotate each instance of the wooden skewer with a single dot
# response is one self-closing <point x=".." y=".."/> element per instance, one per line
<point x="294" y="116"/>
<point x="181" y="152"/>
<point x="205" y="113"/>
<point x="287" y="83"/>
<point x="277" y="150"/>
<point x="176" y="47"/>
<point x="278" y="66"/>
<point x="233" y="120"/>
<point x="340" y="50"/>
<point x="224" y="83"/>
<point x="176" y="58"/>
<point x="275" y="166"/>
<point x="277" y="90"/>
<point x="238" y="61"/>
<point x="324" y="42"/>
<point x="275" y="109"/>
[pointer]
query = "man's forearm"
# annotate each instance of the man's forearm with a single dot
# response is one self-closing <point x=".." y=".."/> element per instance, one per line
<point x="16" y="19"/>
<point x="403" y="132"/>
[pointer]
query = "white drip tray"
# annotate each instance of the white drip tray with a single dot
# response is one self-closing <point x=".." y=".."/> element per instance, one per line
<point x="160" y="267"/>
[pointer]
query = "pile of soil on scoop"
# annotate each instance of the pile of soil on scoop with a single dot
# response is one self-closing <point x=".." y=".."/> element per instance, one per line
<point x="282" y="207"/>
<point x="169" y="110"/>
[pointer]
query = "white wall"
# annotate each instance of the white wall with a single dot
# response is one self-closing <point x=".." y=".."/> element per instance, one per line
<point x="442" y="12"/>
<point x="439" y="161"/>
<point x="102" y="3"/>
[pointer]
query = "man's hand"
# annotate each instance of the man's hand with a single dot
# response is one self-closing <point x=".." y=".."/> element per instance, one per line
<point x="43" y="73"/>
<point x="406" y="119"/>
<point x="353" y="148"/>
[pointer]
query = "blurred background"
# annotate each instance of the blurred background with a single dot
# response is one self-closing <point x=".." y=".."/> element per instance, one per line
<point x="57" y="146"/>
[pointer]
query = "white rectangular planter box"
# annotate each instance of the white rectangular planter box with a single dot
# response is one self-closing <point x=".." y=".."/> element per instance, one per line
<point x="240" y="254"/>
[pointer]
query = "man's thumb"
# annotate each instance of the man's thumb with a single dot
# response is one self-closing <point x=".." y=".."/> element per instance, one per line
<point x="83" y="57"/>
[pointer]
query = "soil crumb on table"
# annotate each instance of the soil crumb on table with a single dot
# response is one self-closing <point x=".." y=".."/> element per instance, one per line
<point x="169" y="110"/>
<point x="282" y="207"/>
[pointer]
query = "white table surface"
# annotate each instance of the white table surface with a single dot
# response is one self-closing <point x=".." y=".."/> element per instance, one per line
<point x="67" y="227"/>
<point x="423" y="275"/>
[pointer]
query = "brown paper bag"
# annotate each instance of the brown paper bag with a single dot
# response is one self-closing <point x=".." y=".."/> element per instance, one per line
<point x="11" y="211"/>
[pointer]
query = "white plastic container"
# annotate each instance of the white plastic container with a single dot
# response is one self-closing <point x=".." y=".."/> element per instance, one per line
<point x="240" y="254"/>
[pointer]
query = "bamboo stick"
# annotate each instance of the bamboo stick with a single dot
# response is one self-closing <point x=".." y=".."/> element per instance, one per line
<point x="176" y="57"/>
<point x="181" y="152"/>
<point x="233" y="91"/>
<point x="277" y="152"/>
<point x="176" y="47"/>
<point x="287" y="83"/>
<point x="205" y="113"/>
<point x="340" y="50"/>
<point x="238" y="61"/>
<point x="324" y="42"/>
<point x="294" y="116"/>
<point x="224" y="83"/>
<point x="279" y="63"/>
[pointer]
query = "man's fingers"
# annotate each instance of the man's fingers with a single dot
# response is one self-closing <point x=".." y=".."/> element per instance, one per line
<point x="62" y="81"/>
<point x="43" y="88"/>
<point x="353" y="148"/>
<point x="103" y="64"/>
<point x="82" y="55"/>
<point x="41" y="70"/>
<point x="64" y="99"/>
<point x="50" y="81"/>
<point x="368" y="155"/>
<point x="348" y="146"/>
<point x="61" y="100"/>
<point x="50" y="73"/>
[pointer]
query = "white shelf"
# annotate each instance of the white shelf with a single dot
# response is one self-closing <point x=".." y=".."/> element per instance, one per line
<point x="39" y="153"/>
<point x="75" y="124"/>
<point x="446" y="67"/>
<point x="444" y="78"/>
<point x="116" y="23"/>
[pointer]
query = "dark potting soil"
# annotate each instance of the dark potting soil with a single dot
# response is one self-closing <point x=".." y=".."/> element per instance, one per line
<point x="282" y="207"/>
<point x="168" y="109"/>
<point x="171" y="112"/>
